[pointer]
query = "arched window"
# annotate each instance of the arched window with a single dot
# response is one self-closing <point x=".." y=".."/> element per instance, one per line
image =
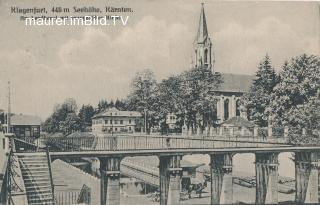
<point x="238" y="108"/>
<point x="206" y="56"/>
<point x="226" y="109"/>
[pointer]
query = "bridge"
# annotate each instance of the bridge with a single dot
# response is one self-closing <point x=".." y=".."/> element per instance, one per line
<point x="111" y="150"/>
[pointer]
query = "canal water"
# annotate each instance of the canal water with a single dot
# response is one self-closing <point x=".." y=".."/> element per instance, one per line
<point x="242" y="164"/>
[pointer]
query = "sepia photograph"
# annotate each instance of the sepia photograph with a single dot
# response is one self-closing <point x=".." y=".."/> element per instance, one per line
<point x="159" y="102"/>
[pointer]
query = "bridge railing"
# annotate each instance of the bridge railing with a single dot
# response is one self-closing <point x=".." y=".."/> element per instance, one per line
<point x="146" y="142"/>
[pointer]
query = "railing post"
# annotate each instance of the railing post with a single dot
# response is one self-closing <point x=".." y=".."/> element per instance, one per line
<point x="50" y="171"/>
<point x="113" y="143"/>
<point x="286" y="133"/>
<point x="269" y="131"/>
<point x="236" y="140"/>
<point x="146" y="143"/>
<point x="255" y="131"/>
<point x="221" y="131"/>
<point x="231" y="131"/>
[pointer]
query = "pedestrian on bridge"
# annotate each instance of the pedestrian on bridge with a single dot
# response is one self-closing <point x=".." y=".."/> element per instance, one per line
<point x="168" y="142"/>
<point x="264" y="136"/>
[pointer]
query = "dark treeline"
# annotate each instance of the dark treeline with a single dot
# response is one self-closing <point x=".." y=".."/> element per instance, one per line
<point x="289" y="98"/>
<point x="67" y="118"/>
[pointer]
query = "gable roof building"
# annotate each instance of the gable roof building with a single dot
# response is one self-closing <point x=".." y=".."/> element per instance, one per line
<point x="113" y="120"/>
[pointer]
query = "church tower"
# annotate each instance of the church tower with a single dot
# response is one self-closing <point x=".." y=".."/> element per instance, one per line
<point x="202" y="46"/>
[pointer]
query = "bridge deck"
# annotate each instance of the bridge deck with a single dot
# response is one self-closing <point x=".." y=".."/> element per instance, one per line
<point x="144" y="145"/>
<point x="100" y="153"/>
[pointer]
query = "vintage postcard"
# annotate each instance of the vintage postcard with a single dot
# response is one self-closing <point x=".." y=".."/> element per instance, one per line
<point x="173" y="102"/>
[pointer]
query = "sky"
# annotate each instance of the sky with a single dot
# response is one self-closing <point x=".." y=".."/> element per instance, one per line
<point x="49" y="64"/>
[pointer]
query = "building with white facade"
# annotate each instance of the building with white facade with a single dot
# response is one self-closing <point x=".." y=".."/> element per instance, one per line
<point x="115" y="121"/>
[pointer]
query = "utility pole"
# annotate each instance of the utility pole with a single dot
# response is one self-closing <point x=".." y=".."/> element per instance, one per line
<point x="9" y="109"/>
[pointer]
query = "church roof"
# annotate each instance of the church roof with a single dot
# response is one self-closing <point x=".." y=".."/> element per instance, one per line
<point x="235" y="82"/>
<point x="202" y="34"/>
<point x="238" y="122"/>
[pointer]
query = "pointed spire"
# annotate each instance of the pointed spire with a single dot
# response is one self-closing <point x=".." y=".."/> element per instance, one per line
<point x="202" y="29"/>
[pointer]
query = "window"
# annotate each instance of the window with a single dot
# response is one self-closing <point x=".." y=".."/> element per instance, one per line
<point x="238" y="108"/>
<point x="121" y="122"/>
<point x="115" y="121"/>
<point x="115" y="129"/>
<point x="130" y="121"/>
<point x="206" y="56"/>
<point x="129" y="128"/>
<point x="110" y="121"/>
<point x="226" y="109"/>
<point x="106" y="121"/>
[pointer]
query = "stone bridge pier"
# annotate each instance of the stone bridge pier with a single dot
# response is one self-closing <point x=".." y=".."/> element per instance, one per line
<point x="221" y="178"/>
<point x="110" y="180"/>
<point x="307" y="176"/>
<point x="170" y="179"/>
<point x="267" y="178"/>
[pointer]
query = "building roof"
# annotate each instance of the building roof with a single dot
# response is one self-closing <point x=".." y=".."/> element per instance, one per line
<point x="117" y="113"/>
<point x="235" y="82"/>
<point x="25" y="120"/>
<point x="238" y="122"/>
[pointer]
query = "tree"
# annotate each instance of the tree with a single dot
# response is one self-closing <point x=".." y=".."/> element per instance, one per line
<point x="306" y="116"/>
<point x="294" y="100"/>
<point x="120" y="105"/>
<point x="258" y="98"/>
<point x="71" y="124"/>
<point x="102" y="105"/>
<point x="62" y="117"/>
<point x="190" y="96"/>
<point x="142" y="96"/>
<point x="169" y="99"/>
<point x="85" y="114"/>
<point x="199" y="97"/>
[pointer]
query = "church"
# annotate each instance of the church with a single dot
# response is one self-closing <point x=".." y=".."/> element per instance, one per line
<point x="233" y="85"/>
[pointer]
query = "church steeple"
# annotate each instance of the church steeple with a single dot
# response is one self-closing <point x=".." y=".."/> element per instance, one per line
<point x="203" y="54"/>
<point x="202" y="29"/>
